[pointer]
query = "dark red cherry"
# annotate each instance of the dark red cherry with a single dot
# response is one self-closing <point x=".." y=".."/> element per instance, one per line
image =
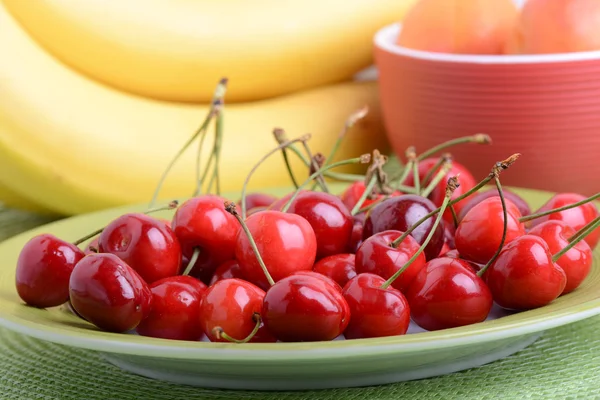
<point x="92" y="247"/>
<point x="479" y="197"/>
<point x="227" y="270"/>
<point x="376" y="312"/>
<point x="354" y="192"/>
<point x="175" y="309"/>
<point x="146" y="244"/>
<point x="400" y="213"/>
<point x="303" y="308"/>
<point x="230" y="304"/>
<point x="286" y="242"/>
<point x="107" y="292"/>
<point x="577" y="262"/>
<point x="576" y="217"/>
<point x="329" y="218"/>
<point x="479" y="234"/>
<point x="357" y="234"/>
<point x="203" y="223"/>
<point x="254" y="200"/>
<point x="447" y="293"/>
<point x="44" y="267"/>
<point x="339" y="267"/>
<point x="524" y="276"/>
<point x="376" y="256"/>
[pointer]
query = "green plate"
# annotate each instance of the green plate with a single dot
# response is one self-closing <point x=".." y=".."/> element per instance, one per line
<point x="289" y="366"/>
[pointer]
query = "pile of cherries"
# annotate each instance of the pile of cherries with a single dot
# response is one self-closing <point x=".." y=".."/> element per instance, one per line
<point x="432" y="245"/>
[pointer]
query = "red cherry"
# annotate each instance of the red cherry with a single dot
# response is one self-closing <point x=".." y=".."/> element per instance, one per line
<point x="329" y="218"/>
<point x="376" y="312"/>
<point x="255" y="200"/>
<point x="43" y="270"/>
<point x="303" y="308"/>
<point x="577" y="262"/>
<point x="447" y="294"/>
<point x="203" y="223"/>
<point x="279" y="204"/>
<point x="479" y="234"/>
<point x="227" y="270"/>
<point x="376" y="256"/>
<point x="576" y="217"/>
<point x="467" y="182"/>
<point x="325" y="279"/>
<point x="230" y="304"/>
<point x="477" y="198"/>
<point x="106" y="291"/>
<point x="92" y="247"/>
<point x="524" y="275"/>
<point x="356" y="236"/>
<point x="355" y="191"/>
<point x="175" y="309"/>
<point x="286" y="242"/>
<point x="146" y="244"/>
<point x="400" y="213"/>
<point x="339" y="267"/>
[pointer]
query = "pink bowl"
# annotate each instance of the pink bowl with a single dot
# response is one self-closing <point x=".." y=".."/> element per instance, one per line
<point x="546" y="107"/>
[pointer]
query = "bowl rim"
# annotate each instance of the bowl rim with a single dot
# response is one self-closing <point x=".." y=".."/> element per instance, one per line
<point x="385" y="37"/>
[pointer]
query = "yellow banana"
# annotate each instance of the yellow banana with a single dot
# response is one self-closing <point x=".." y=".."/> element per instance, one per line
<point x="10" y="199"/>
<point x="176" y="49"/>
<point x="73" y="145"/>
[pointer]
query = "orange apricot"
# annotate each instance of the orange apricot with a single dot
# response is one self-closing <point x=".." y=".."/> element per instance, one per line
<point x="459" y="26"/>
<point x="557" y="26"/>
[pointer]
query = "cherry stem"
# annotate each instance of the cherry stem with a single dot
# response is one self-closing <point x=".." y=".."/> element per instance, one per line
<point x="504" y="229"/>
<point x="445" y="165"/>
<point x="436" y="166"/>
<point x="350" y="122"/>
<point x="582" y="230"/>
<point x="217" y="150"/>
<point x="192" y="261"/>
<point x="592" y="227"/>
<point x="173" y="204"/>
<point x="365" y="158"/>
<point x="199" y="178"/>
<point x="450" y="188"/>
<point x="567" y="207"/>
<point x="454" y="216"/>
<point x="277" y="132"/>
<point x="498" y="167"/>
<point x="480" y="138"/>
<point x="316" y="167"/>
<point x="372" y="205"/>
<point x="220" y="333"/>
<point x="230" y="208"/>
<point x="270" y="153"/>
<point x="364" y="195"/>
<point x="216" y="100"/>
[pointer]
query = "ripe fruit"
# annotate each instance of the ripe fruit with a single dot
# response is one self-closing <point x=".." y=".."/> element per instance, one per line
<point x="107" y="292"/>
<point x="338" y="267"/>
<point x="146" y="244"/>
<point x="286" y="242"/>
<point x="44" y="268"/>
<point x="459" y="26"/>
<point x="354" y="192"/>
<point x="227" y="270"/>
<point x="479" y="197"/>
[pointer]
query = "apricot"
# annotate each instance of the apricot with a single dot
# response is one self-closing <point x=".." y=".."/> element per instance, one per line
<point x="459" y="26"/>
<point x="557" y="26"/>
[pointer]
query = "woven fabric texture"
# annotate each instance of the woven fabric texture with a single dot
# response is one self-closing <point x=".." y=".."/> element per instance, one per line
<point x="563" y="364"/>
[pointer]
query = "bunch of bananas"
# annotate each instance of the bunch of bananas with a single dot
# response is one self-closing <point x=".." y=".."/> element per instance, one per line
<point x="97" y="96"/>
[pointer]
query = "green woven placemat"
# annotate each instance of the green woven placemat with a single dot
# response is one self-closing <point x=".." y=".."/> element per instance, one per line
<point x="563" y="364"/>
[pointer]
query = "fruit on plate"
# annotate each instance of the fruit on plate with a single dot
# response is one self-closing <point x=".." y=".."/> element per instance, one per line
<point x="459" y="26"/>
<point x="58" y="129"/>
<point x="177" y="50"/>
<point x="557" y="26"/>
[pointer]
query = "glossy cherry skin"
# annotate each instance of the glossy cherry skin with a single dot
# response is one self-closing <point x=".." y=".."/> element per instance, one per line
<point x="107" y="292"/>
<point x="449" y="233"/>
<point x="577" y="262"/>
<point x="524" y="276"/>
<point x="330" y="219"/>
<point x="354" y="192"/>
<point x="279" y="204"/>
<point x="576" y="217"/>
<point x="400" y="213"/>
<point x="479" y="233"/>
<point x="203" y="222"/>
<point x="477" y="198"/>
<point x="447" y="293"/>
<point x="92" y="247"/>
<point x="339" y="267"/>
<point x="175" y="309"/>
<point x="356" y="236"/>
<point x="375" y="312"/>
<point x="286" y="242"/>
<point x="230" y="304"/>
<point x="254" y="200"/>
<point x="146" y="244"/>
<point x="44" y="267"/>
<point x="304" y="308"/>
<point x="467" y="182"/>
<point x="376" y="256"/>
<point x="227" y="270"/>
